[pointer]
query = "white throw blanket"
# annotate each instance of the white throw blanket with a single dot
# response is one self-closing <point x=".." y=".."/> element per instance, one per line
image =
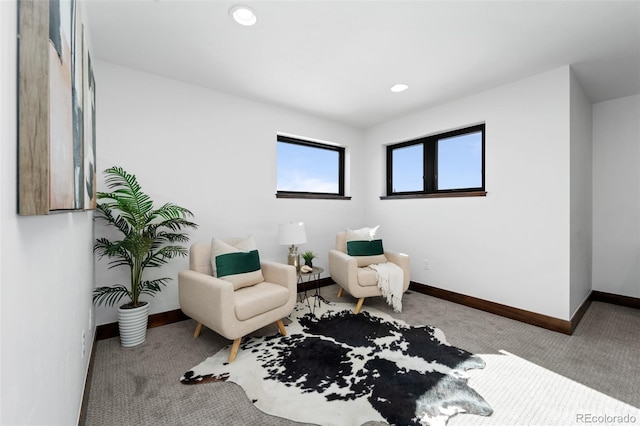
<point x="390" y="281"/>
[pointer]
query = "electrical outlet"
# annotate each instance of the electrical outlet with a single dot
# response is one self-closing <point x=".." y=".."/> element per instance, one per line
<point x="427" y="265"/>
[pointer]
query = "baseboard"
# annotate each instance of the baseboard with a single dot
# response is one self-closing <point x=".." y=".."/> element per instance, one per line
<point x="107" y="331"/>
<point x="577" y="317"/>
<point x="164" y="318"/>
<point x="540" y="320"/>
<point x="311" y="285"/>
<point x="615" y="299"/>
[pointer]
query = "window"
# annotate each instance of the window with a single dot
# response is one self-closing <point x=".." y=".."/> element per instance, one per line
<point x="448" y="163"/>
<point x="309" y="169"/>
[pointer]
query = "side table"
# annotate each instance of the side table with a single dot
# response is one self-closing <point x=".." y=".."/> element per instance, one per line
<point x="306" y="277"/>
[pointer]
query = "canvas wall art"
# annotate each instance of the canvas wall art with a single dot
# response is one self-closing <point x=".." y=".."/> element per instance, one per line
<point x="55" y="142"/>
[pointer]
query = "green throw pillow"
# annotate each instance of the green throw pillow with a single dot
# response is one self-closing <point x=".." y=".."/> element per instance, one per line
<point x="364" y="248"/>
<point x="366" y="252"/>
<point x="237" y="263"/>
<point x="239" y="266"/>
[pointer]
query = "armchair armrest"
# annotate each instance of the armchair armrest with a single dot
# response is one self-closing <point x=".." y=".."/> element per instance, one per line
<point x="403" y="261"/>
<point x="343" y="268"/>
<point x="206" y="299"/>
<point x="279" y="273"/>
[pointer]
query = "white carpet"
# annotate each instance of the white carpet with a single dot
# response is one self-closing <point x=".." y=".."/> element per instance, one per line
<point x="523" y="393"/>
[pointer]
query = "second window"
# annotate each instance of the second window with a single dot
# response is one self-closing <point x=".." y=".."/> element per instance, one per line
<point x="442" y="163"/>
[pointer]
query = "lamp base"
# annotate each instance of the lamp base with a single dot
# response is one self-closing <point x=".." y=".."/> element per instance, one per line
<point x="294" y="258"/>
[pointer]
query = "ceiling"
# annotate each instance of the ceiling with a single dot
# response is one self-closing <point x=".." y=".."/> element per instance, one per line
<point x="338" y="59"/>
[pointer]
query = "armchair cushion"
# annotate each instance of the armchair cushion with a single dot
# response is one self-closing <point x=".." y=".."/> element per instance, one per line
<point x="367" y="277"/>
<point x="258" y="299"/>
<point x="238" y="264"/>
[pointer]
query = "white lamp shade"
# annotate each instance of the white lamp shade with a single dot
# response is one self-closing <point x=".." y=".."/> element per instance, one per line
<point x="292" y="233"/>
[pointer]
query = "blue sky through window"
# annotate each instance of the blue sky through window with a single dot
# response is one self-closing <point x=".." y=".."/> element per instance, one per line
<point x="307" y="169"/>
<point x="460" y="162"/>
<point x="408" y="168"/>
<point x="303" y="168"/>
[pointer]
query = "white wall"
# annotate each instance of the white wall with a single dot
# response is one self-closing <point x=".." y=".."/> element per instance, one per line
<point x="581" y="196"/>
<point x="616" y="196"/>
<point x="214" y="154"/>
<point x="46" y="279"/>
<point x="512" y="246"/>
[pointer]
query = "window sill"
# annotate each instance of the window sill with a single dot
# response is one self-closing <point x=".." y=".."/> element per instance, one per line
<point x="311" y="196"/>
<point x="436" y="195"/>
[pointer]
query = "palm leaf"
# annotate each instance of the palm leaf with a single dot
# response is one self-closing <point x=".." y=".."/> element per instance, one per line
<point x="110" y="295"/>
<point x="151" y="237"/>
<point x="161" y="256"/>
<point x="153" y="286"/>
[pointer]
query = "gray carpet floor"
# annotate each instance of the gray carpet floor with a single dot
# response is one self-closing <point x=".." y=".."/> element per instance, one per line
<point x="140" y="385"/>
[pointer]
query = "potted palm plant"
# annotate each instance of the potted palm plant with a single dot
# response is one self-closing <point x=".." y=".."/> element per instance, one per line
<point x="148" y="238"/>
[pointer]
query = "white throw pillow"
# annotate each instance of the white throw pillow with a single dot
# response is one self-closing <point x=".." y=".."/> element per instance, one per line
<point x="362" y="234"/>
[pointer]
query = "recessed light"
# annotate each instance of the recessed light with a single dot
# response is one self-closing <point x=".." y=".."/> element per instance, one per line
<point x="396" y="88"/>
<point x="243" y="15"/>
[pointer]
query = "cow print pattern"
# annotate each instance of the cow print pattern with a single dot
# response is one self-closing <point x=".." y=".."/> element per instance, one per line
<point x="408" y="375"/>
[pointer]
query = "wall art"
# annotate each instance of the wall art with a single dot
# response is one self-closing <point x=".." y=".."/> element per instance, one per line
<point x="55" y="89"/>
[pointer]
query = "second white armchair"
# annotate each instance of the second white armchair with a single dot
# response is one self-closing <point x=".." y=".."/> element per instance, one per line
<point x="354" y="276"/>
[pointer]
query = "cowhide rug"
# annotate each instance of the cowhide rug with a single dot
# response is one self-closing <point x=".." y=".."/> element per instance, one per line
<point x="338" y="368"/>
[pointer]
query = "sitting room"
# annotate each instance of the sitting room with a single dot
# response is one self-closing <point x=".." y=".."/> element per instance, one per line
<point x="489" y="150"/>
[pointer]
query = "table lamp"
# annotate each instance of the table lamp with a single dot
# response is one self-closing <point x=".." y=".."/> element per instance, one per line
<point x="291" y="234"/>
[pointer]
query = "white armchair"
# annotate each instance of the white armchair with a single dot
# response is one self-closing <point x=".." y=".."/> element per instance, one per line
<point x="230" y="312"/>
<point x="360" y="282"/>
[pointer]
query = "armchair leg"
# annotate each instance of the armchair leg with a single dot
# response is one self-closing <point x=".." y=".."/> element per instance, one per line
<point x="359" y="305"/>
<point x="234" y="349"/>
<point x="340" y="292"/>
<point x="283" y="332"/>
<point x="198" y="330"/>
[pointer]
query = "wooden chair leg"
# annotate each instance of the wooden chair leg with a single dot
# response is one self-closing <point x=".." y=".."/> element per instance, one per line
<point x="234" y="349"/>
<point x="198" y="330"/>
<point x="281" y="327"/>
<point x="359" y="305"/>
<point x="340" y="292"/>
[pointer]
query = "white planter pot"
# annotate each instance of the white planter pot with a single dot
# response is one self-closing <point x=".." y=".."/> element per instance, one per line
<point x="133" y="325"/>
